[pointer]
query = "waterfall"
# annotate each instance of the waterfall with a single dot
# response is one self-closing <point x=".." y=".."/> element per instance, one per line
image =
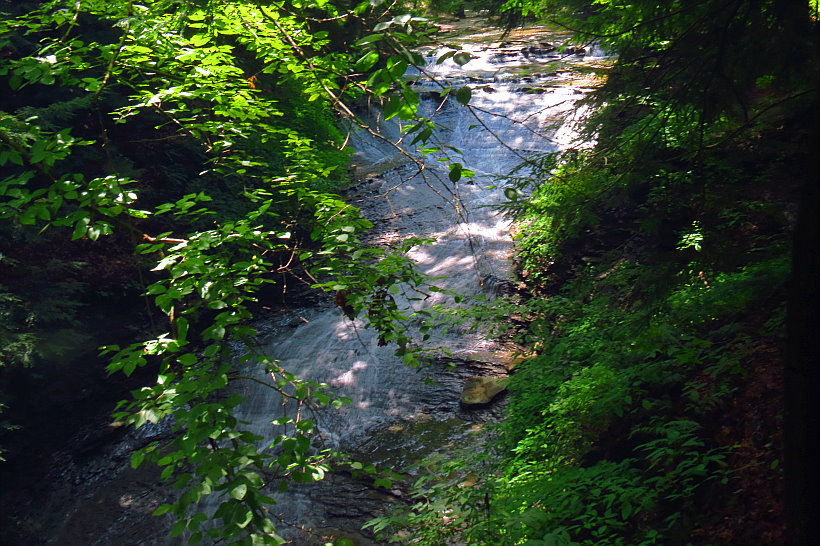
<point x="511" y="117"/>
<point x="522" y="90"/>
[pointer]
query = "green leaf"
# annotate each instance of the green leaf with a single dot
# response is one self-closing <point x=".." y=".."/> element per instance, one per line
<point x="217" y="331"/>
<point x="462" y="58"/>
<point x="463" y="95"/>
<point x="446" y="56"/>
<point x="239" y="491"/>
<point x="162" y="509"/>
<point x="198" y="40"/>
<point x="136" y="459"/>
<point x="423" y="136"/>
<point x="80" y="228"/>
<point x="397" y="66"/>
<point x="187" y="359"/>
<point x="369" y="39"/>
<point x="178" y="528"/>
<point x="391" y="107"/>
<point x="156" y="288"/>
<point x="455" y="172"/>
<point x="182" y="329"/>
<point x="383" y="482"/>
<point x="366" y="61"/>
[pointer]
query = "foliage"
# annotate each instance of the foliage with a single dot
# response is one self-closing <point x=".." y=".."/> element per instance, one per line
<point x="444" y="495"/>
<point x="656" y="41"/>
<point x="657" y="261"/>
<point x="202" y="136"/>
<point x="604" y="428"/>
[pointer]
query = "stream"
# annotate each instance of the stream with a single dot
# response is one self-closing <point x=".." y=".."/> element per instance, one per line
<point x="399" y="415"/>
<point x="523" y="89"/>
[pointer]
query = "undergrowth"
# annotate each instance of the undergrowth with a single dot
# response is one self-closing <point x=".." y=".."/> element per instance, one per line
<point x="609" y="434"/>
<point x="652" y="281"/>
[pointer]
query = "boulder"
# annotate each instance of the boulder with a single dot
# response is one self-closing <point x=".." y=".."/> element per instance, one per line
<point x="481" y="390"/>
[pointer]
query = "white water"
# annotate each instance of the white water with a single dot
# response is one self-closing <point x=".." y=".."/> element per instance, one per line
<point x="396" y="417"/>
<point x="472" y="251"/>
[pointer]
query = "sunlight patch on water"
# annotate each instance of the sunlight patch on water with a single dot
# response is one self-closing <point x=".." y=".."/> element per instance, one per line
<point x="348" y="378"/>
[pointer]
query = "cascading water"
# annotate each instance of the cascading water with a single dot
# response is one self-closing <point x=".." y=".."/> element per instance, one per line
<point x="521" y="91"/>
<point x="517" y="108"/>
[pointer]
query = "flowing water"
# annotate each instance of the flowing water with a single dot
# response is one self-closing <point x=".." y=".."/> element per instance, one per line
<point x="521" y="99"/>
<point x="522" y="92"/>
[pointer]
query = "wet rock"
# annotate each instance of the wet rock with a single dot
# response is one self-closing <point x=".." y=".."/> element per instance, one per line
<point x="537" y="50"/>
<point x="498" y="286"/>
<point x="572" y="50"/>
<point x="501" y="55"/>
<point x="338" y="536"/>
<point x="479" y="391"/>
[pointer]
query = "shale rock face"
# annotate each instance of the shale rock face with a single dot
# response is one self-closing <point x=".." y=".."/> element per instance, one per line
<point x="481" y="390"/>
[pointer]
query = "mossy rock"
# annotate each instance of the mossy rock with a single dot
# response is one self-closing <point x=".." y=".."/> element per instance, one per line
<point x="481" y="390"/>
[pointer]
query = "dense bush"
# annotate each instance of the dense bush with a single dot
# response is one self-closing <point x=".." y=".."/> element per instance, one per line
<point x="657" y="263"/>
